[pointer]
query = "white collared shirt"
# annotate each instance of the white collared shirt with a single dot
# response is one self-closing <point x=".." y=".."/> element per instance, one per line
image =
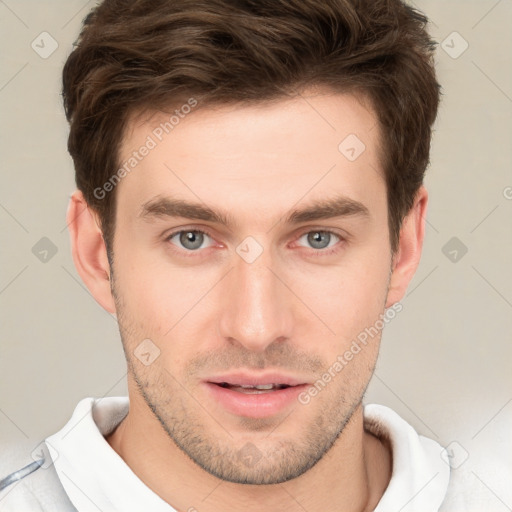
<point x="95" y="477"/>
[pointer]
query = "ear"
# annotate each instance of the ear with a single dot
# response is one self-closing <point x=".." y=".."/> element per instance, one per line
<point x="89" y="250"/>
<point x="407" y="257"/>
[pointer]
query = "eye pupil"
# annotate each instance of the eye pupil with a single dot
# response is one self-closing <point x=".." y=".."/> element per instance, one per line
<point x="319" y="239"/>
<point x="191" y="239"/>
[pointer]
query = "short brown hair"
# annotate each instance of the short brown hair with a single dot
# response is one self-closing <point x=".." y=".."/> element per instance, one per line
<point x="148" y="54"/>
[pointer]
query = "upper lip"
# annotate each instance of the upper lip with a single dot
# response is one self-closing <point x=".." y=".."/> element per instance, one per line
<point x="255" y="379"/>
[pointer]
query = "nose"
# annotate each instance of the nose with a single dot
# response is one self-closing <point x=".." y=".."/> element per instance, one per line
<point x="257" y="306"/>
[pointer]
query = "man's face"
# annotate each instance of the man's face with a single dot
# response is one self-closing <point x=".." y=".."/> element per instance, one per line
<point x="268" y="298"/>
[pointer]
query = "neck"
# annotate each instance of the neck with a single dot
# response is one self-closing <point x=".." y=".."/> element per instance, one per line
<point x="352" y="476"/>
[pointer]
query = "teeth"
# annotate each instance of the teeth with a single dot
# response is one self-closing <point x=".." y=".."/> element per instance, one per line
<point x="260" y="386"/>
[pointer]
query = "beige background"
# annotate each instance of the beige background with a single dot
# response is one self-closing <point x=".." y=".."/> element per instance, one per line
<point x="445" y="362"/>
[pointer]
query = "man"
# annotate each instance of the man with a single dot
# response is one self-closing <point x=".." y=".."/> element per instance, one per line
<point x="250" y="206"/>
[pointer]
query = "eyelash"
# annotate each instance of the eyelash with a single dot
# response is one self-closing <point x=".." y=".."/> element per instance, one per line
<point x="316" y="252"/>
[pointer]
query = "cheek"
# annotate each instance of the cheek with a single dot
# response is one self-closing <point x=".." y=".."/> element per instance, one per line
<point x="151" y="287"/>
<point x="164" y="303"/>
<point x="348" y="297"/>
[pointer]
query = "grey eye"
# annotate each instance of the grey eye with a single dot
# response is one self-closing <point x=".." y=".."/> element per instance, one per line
<point x="319" y="239"/>
<point x="190" y="240"/>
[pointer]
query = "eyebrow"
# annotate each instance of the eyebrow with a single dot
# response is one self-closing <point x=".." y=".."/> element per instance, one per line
<point x="341" y="206"/>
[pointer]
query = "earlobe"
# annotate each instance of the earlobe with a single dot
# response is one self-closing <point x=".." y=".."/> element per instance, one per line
<point x="89" y="250"/>
<point x="408" y="254"/>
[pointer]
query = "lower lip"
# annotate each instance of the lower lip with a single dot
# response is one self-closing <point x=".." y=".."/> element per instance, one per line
<point x="256" y="405"/>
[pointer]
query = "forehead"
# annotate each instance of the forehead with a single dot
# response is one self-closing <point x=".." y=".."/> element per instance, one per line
<point x="255" y="154"/>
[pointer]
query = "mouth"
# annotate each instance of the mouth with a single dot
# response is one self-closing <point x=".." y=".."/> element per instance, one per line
<point x="252" y="390"/>
<point x="253" y="395"/>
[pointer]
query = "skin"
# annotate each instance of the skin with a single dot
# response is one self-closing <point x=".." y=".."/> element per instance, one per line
<point x="294" y="309"/>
